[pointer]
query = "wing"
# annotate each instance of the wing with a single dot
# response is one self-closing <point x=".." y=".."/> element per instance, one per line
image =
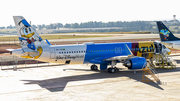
<point x="122" y="58"/>
<point x="107" y="59"/>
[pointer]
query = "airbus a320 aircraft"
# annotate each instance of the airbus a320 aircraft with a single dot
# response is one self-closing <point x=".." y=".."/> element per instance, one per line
<point x="132" y="54"/>
<point x="167" y="37"/>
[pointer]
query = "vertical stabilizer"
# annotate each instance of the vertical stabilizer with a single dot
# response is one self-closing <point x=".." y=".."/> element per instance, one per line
<point x="30" y="41"/>
<point x="164" y="33"/>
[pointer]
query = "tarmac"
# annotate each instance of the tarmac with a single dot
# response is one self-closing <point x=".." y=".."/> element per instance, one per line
<point x="79" y="83"/>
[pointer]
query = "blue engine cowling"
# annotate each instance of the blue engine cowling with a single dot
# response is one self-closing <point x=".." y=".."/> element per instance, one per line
<point x="135" y="63"/>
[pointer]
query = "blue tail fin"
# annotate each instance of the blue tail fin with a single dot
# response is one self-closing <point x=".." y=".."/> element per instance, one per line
<point x="164" y="33"/>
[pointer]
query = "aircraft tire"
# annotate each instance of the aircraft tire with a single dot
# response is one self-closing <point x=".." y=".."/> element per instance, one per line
<point x="116" y="68"/>
<point x="94" y="67"/>
<point x="111" y="70"/>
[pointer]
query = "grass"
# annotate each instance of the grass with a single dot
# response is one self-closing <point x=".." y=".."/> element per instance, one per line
<point x="15" y="38"/>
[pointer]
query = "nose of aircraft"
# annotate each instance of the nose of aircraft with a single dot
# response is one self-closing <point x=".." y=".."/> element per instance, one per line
<point x="168" y="51"/>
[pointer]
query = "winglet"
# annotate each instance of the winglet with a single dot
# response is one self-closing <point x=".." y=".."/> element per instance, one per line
<point x="129" y="51"/>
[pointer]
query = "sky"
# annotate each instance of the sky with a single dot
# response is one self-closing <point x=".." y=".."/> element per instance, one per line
<point x="77" y="11"/>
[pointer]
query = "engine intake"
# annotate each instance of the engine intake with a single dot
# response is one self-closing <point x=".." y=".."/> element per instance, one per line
<point x="135" y="63"/>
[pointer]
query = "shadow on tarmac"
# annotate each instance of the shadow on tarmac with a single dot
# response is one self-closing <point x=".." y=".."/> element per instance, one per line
<point x="58" y="84"/>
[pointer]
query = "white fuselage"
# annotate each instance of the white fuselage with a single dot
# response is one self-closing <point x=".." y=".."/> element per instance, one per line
<point x="172" y="44"/>
<point x="64" y="54"/>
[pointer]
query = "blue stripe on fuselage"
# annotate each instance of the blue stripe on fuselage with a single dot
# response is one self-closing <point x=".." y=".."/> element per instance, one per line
<point x="106" y="50"/>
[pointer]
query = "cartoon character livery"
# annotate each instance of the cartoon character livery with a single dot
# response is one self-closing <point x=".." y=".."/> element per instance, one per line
<point x="30" y="41"/>
<point x="132" y="54"/>
<point x="167" y="37"/>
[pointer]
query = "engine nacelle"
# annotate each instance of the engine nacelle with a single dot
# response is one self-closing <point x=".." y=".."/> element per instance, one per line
<point x="135" y="63"/>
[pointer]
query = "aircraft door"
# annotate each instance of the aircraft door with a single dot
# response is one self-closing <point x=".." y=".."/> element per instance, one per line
<point x="158" y="47"/>
<point x="52" y="53"/>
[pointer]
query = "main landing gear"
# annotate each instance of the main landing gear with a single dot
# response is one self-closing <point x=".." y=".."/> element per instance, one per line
<point x="112" y="70"/>
<point x="94" y="67"/>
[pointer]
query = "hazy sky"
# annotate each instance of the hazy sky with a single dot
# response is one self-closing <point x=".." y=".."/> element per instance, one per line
<point x="71" y="11"/>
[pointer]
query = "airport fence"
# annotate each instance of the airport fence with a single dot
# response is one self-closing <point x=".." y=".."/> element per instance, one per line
<point x="9" y="41"/>
<point x="14" y="62"/>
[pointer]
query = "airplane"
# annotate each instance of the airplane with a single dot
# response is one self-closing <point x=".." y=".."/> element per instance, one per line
<point x="133" y="55"/>
<point x="167" y="37"/>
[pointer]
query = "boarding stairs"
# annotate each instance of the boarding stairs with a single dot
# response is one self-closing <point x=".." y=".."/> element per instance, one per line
<point x="149" y="72"/>
<point x="163" y="61"/>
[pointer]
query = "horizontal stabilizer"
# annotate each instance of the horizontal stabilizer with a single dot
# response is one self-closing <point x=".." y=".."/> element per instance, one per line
<point x="10" y="49"/>
<point x="31" y="53"/>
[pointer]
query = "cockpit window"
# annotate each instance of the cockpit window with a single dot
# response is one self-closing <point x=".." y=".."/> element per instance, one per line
<point x="164" y="46"/>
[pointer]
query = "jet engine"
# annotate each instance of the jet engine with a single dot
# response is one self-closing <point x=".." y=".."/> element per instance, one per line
<point x="135" y="63"/>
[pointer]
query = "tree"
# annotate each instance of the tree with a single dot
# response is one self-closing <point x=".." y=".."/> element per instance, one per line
<point x="9" y="27"/>
<point x="2" y="27"/>
<point x="75" y="25"/>
<point x="34" y="26"/>
<point x="59" y="25"/>
<point x="39" y="27"/>
<point x="67" y="25"/>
